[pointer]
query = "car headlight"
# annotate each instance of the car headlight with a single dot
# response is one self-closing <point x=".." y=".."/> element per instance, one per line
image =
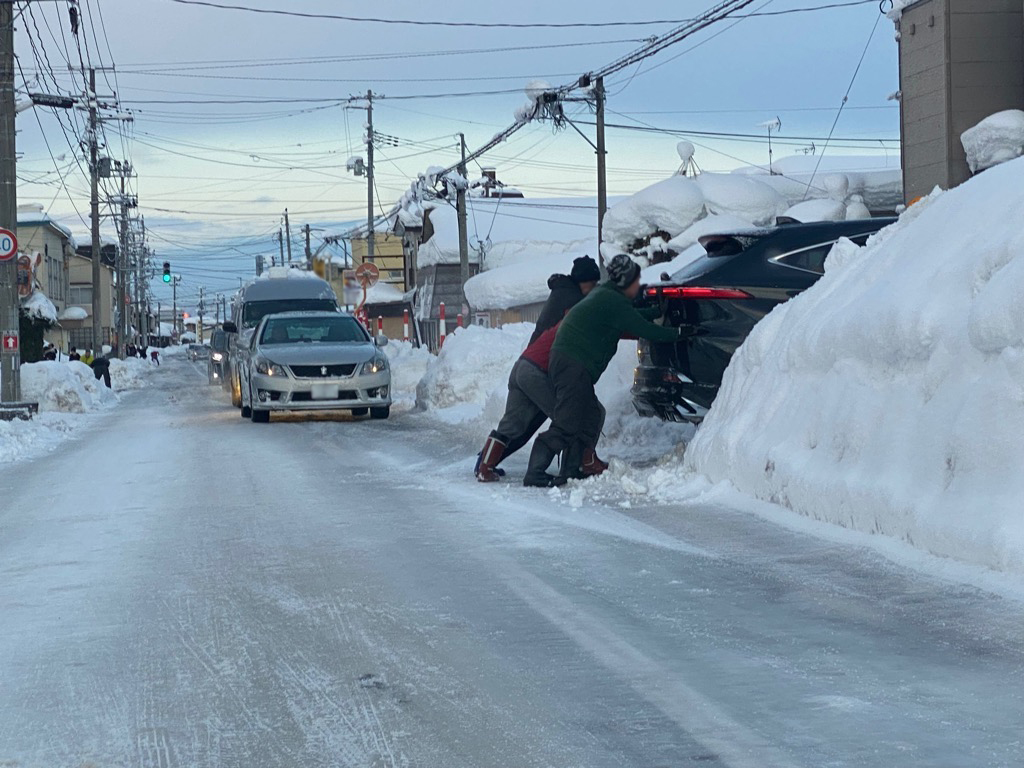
<point x="376" y="365"/>
<point x="217" y="357"/>
<point x="268" y="368"/>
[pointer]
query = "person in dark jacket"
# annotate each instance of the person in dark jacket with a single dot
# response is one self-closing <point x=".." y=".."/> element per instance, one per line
<point x="531" y="402"/>
<point x="73" y="354"/>
<point x="101" y="369"/>
<point x="566" y="292"/>
<point x="585" y="343"/>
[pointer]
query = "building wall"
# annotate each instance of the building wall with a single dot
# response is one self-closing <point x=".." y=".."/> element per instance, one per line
<point x="51" y="275"/>
<point x="387" y="255"/>
<point x="80" y="274"/>
<point x="960" y="61"/>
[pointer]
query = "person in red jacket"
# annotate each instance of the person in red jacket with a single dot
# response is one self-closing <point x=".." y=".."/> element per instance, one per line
<point x="531" y="401"/>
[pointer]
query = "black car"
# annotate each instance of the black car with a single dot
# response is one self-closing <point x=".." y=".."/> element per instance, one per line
<point x="718" y="298"/>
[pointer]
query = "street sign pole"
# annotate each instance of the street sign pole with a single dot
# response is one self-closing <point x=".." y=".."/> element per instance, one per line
<point x="10" y="358"/>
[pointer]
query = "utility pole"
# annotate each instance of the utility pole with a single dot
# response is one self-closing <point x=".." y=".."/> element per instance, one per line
<point x="280" y="243"/>
<point x="369" y="176"/>
<point x="174" y="306"/>
<point x="94" y="212"/>
<point x="143" y="287"/>
<point x="124" y="318"/>
<point x="461" y="210"/>
<point x="288" y="234"/>
<point x="602" y="172"/>
<point x="309" y="253"/>
<point x="199" y="320"/>
<point x="10" y="375"/>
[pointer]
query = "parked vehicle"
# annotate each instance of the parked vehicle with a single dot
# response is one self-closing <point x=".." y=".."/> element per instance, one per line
<point x="281" y="290"/>
<point x="314" y="361"/>
<point x="196" y="352"/>
<point x="218" y="354"/>
<point x="719" y="298"/>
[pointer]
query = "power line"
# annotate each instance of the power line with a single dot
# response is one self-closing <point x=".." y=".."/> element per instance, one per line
<point x="493" y="25"/>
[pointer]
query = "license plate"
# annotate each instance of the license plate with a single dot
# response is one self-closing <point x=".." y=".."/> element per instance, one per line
<point x="324" y="392"/>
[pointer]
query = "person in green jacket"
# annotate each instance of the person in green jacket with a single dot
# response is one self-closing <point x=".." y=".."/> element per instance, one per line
<point x="585" y="343"/>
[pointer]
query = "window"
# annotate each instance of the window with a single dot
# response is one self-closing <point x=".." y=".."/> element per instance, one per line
<point x="253" y="311"/>
<point x="80" y="295"/>
<point x="331" y="330"/>
<point x="809" y="259"/>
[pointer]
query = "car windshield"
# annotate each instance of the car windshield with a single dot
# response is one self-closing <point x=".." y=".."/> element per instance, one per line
<point x="297" y="330"/>
<point x="254" y="311"/>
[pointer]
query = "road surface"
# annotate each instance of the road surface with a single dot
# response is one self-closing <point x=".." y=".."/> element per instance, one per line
<point x="179" y="587"/>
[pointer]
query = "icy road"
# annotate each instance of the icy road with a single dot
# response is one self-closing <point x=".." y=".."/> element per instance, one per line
<point x="179" y="587"/>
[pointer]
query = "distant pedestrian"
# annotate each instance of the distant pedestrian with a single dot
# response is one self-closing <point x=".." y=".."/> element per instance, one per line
<point x="87" y="357"/>
<point x="143" y="351"/>
<point x="73" y="354"/>
<point x="154" y="357"/>
<point x="129" y="350"/>
<point x="584" y="344"/>
<point x="101" y="369"/>
<point x="49" y="352"/>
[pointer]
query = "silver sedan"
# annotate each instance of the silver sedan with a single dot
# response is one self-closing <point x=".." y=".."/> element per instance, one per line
<point x="315" y="361"/>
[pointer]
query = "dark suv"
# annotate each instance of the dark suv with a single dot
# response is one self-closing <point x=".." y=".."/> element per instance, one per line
<point x="718" y="299"/>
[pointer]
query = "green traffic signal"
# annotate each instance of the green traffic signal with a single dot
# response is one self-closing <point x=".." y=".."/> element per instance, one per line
<point x="167" y="278"/>
<point x="167" y="271"/>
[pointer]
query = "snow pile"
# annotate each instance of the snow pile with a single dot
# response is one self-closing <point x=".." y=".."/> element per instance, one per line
<point x="516" y="285"/>
<point x="742" y="196"/>
<point x="408" y="364"/>
<point x="74" y="313"/>
<point x="889" y="398"/>
<point x="129" y="373"/>
<point x="468" y="380"/>
<point x="39" y="307"/>
<point x="817" y="210"/>
<point x="67" y="387"/>
<point x="997" y="139"/>
<point x="671" y="206"/>
<point x="21" y="440"/>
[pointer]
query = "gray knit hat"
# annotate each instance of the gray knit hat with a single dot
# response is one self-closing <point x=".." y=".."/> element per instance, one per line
<point x="622" y="271"/>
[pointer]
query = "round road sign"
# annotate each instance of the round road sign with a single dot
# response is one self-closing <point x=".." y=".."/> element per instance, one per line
<point x="8" y="244"/>
<point x="367" y="274"/>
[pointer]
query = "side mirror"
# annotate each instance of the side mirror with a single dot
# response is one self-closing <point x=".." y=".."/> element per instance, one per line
<point x="380" y="340"/>
<point x="229" y="327"/>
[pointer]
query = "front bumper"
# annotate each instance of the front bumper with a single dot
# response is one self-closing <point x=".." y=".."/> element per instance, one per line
<point x="288" y="393"/>
<point x="670" y="396"/>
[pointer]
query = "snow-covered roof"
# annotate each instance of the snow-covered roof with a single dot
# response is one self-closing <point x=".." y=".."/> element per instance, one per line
<point x="997" y="139"/>
<point x="383" y="293"/>
<point x="517" y="285"/>
<point x="30" y="214"/>
<point x="518" y="228"/>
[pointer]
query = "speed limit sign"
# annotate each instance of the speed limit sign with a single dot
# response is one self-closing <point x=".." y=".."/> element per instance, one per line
<point x="8" y="244"/>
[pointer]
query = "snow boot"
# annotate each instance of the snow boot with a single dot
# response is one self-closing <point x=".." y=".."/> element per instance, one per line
<point x="537" y="472"/>
<point x="592" y="464"/>
<point x="572" y="460"/>
<point x="494" y="449"/>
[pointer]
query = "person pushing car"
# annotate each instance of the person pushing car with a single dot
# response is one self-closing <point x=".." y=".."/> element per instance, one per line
<point x="585" y="343"/>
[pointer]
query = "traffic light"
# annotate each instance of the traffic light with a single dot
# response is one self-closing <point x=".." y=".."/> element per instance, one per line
<point x="167" y="271"/>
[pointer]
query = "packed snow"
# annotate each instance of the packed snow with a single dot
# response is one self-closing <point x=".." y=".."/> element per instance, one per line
<point x="997" y="139"/>
<point x="408" y="364"/>
<point x="817" y="210"/>
<point x="743" y="196"/>
<point x="74" y="313"/>
<point x="69" y="387"/>
<point x="888" y="398"/>
<point x="671" y="206"/>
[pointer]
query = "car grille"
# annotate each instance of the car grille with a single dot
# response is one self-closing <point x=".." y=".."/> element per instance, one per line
<point x="305" y="397"/>
<point x="323" y="371"/>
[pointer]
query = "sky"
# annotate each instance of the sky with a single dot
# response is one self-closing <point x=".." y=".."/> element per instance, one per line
<point x="237" y="115"/>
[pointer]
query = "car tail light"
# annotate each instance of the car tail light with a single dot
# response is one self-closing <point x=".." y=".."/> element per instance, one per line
<point x="695" y="292"/>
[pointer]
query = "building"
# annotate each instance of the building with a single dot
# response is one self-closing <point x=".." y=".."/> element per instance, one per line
<point x="78" y="324"/>
<point x="960" y="61"/>
<point x="39" y="236"/>
<point x="387" y="255"/>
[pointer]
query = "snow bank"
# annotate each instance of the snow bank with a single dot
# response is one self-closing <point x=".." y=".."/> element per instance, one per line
<point x="408" y="364"/>
<point x="670" y="206"/>
<point x="130" y="373"/>
<point x="997" y="139"/>
<point x="67" y="387"/>
<point x="519" y="284"/>
<point x="20" y="440"/>
<point x="468" y="380"/>
<point x="889" y="398"/>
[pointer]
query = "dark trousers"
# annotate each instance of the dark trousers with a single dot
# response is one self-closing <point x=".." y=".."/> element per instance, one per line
<point x="578" y="415"/>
